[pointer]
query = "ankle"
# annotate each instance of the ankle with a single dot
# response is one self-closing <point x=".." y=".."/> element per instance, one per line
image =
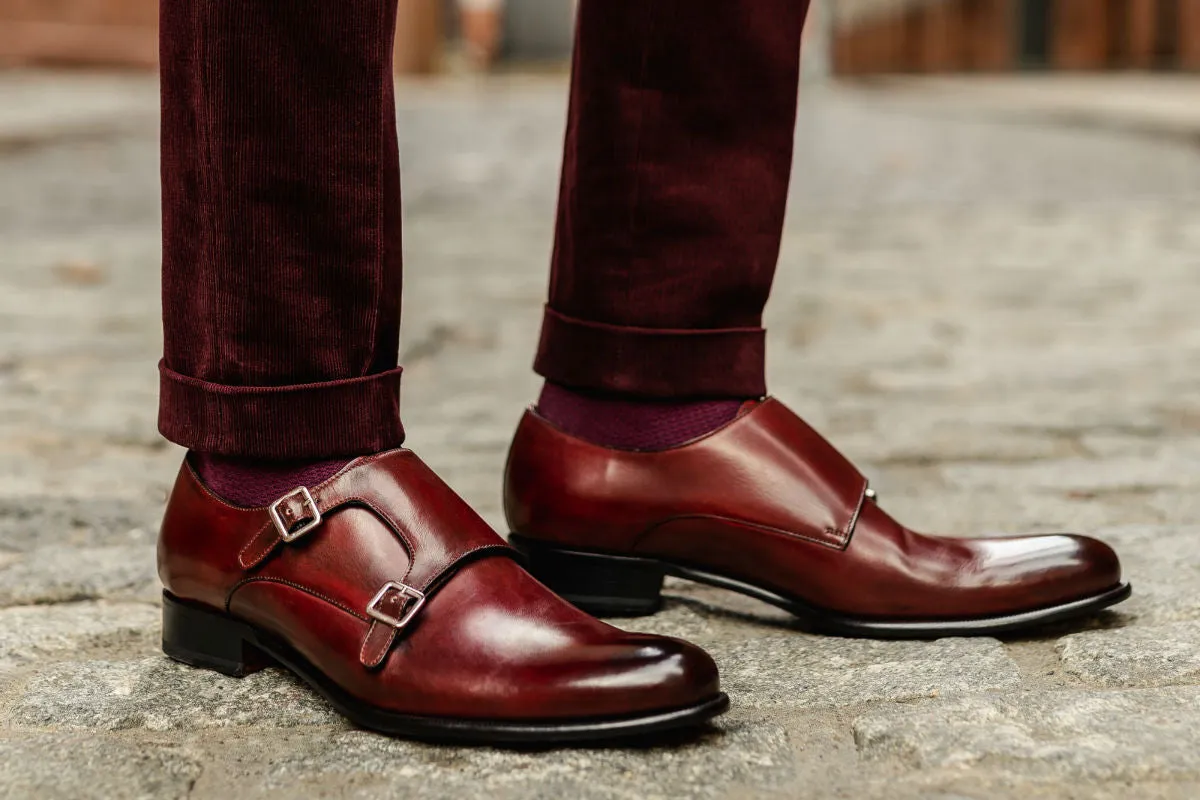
<point x="633" y="424"/>
<point x="252" y="483"/>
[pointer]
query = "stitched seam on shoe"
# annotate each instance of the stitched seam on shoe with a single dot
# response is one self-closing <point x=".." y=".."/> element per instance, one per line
<point x="294" y="585"/>
<point x="439" y="577"/>
<point x="362" y="651"/>
<point x="387" y="520"/>
<point x="371" y="663"/>
<point x="858" y="509"/>
<point x="461" y="557"/>
<point x="264" y="550"/>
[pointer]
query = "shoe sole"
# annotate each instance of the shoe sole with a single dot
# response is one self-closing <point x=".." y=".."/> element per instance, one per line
<point x="207" y="639"/>
<point x="610" y="585"/>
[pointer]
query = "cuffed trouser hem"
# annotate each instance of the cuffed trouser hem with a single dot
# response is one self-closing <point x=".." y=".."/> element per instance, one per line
<point x="652" y="363"/>
<point x="351" y="417"/>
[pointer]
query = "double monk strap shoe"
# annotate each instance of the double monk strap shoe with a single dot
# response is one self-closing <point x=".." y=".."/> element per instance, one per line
<point x="388" y="595"/>
<point x="767" y="507"/>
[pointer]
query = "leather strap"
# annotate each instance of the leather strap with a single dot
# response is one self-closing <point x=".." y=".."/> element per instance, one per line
<point x="385" y="484"/>
<point x="396" y="604"/>
<point x="837" y="490"/>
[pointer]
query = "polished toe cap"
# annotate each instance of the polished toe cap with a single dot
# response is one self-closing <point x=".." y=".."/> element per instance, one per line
<point x="640" y="673"/>
<point x="1049" y="570"/>
<point x="1095" y="566"/>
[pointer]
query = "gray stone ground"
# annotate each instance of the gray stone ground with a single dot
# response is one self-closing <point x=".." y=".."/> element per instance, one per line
<point x="997" y="319"/>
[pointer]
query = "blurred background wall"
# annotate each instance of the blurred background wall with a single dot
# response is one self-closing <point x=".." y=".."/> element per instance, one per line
<point x="882" y="36"/>
<point x="849" y="37"/>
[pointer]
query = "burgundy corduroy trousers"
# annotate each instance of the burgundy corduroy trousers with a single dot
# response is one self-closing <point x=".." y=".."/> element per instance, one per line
<point x="282" y="232"/>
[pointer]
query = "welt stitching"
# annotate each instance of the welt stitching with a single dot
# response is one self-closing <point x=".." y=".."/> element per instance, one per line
<point x="395" y="526"/>
<point x="267" y="548"/>
<point x="294" y="585"/>
<point x="254" y="540"/>
<point x="374" y="661"/>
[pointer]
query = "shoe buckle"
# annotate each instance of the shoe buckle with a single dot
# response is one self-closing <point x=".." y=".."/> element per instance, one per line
<point x="308" y="506"/>
<point x="413" y="600"/>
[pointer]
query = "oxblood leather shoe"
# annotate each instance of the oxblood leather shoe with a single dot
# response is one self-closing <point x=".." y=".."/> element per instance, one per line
<point x="765" y="506"/>
<point x="388" y="595"/>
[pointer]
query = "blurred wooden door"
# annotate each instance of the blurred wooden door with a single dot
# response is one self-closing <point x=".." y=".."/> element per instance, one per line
<point x="1189" y="34"/>
<point x="125" y="33"/>
<point x="108" y="32"/>
<point x="1080" y="34"/>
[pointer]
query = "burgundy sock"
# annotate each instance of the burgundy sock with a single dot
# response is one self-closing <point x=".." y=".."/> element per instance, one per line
<point x="633" y="424"/>
<point x="252" y="483"/>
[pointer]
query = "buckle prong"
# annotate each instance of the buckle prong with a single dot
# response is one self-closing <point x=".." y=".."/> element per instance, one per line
<point x="375" y="610"/>
<point x="307" y="503"/>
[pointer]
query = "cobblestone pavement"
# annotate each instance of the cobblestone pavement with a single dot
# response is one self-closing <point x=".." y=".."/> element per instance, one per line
<point x="998" y="321"/>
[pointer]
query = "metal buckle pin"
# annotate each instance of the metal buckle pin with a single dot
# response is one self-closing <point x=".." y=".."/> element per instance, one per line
<point x="375" y="611"/>
<point x="307" y="503"/>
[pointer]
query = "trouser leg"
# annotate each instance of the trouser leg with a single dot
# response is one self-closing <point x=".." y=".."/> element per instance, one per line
<point x="281" y="228"/>
<point x="673" y="193"/>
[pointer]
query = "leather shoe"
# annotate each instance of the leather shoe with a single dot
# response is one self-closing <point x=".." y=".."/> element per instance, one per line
<point x="766" y="507"/>
<point x="388" y="595"/>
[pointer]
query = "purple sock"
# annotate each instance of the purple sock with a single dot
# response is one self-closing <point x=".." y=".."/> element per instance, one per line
<point x="633" y="424"/>
<point x="252" y="483"/>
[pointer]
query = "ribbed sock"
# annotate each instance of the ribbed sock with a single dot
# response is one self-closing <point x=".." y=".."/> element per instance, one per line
<point x="633" y="424"/>
<point x="252" y="483"/>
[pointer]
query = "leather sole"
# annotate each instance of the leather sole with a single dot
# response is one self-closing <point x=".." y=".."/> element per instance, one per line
<point x="604" y="584"/>
<point x="208" y="639"/>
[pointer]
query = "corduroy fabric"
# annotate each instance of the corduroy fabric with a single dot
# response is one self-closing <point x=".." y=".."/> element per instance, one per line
<point x="281" y="228"/>
<point x="354" y="416"/>
<point x="672" y="199"/>
<point x="650" y="363"/>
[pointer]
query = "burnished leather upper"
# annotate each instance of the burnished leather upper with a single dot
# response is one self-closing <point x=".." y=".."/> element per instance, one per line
<point x="767" y="500"/>
<point x="488" y="641"/>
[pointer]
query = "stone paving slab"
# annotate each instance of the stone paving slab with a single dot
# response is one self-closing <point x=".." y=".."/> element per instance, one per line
<point x="1133" y="735"/>
<point x="65" y="574"/>
<point x="795" y="672"/>
<point x="33" y="634"/>
<point x="65" y="765"/>
<point x="1155" y="655"/>
<point x="750" y="754"/>
<point x="158" y="694"/>
<point x="34" y="521"/>
<point x="1164" y="563"/>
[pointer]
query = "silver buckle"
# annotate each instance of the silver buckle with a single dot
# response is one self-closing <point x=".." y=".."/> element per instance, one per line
<point x="376" y="612"/>
<point x="306" y="502"/>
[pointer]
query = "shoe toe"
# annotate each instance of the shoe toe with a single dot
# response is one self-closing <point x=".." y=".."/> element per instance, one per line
<point x="1062" y="568"/>
<point x="1097" y="568"/>
<point x="641" y="673"/>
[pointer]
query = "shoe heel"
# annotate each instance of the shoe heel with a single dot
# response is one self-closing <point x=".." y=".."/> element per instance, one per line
<point x="209" y="639"/>
<point x="600" y="584"/>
